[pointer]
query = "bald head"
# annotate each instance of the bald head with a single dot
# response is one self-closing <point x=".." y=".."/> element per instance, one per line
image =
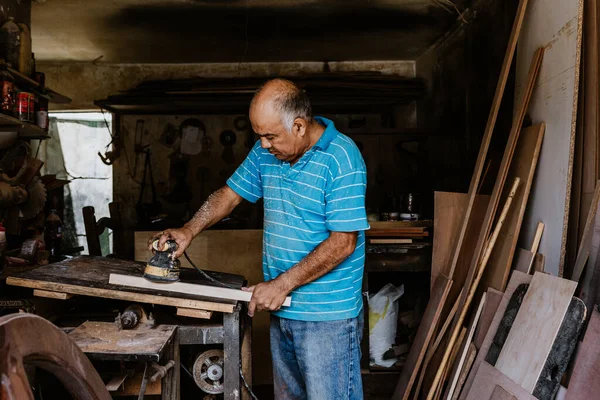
<point x="283" y="99"/>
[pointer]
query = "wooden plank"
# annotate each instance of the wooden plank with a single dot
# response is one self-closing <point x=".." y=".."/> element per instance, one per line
<point x="464" y="350"/>
<point x="116" y="382"/>
<point x="523" y="164"/>
<point x="105" y="340"/>
<point x="500" y="393"/>
<point x="422" y="338"/>
<point x="121" y="295"/>
<point x="52" y="295"/>
<point x="89" y="276"/>
<point x="492" y="301"/>
<point x="471" y="289"/>
<point x="538" y="263"/>
<point x="555" y="25"/>
<point x="131" y="387"/>
<point x="537" y="238"/>
<point x="192" y="313"/>
<point x="472" y="352"/>
<point x="533" y="332"/>
<point x="586" y="239"/>
<point x="400" y="224"/>
<point x="390" y="241"/>
<point x="432" y="349"/>
<point x="501" y="178"/>
<point x="449" y="209"/>
<point x="523" y="260"/>
<point x="488" y="378"/>
<point x="186" y="288"/>
<point x="489" y="129"/>
<point x="585" y="378"/>
<point x="517" y="279"/>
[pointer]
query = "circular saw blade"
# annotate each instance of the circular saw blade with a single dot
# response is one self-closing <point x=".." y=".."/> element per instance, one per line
<point x="36" y="199"/>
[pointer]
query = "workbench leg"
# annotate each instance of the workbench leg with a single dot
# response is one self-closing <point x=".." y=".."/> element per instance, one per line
<point x="231" y="347"/>
<point x="246" y="352"/>
<point x="170" y="383"/>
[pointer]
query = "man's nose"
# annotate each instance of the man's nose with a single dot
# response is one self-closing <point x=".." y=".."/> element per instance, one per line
<point x="264" y="143"/>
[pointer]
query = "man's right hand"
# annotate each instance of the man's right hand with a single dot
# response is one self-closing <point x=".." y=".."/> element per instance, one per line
<point x="182" y="236"/>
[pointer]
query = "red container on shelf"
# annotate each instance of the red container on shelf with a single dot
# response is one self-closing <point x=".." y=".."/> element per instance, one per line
<point x="24" y="105"/>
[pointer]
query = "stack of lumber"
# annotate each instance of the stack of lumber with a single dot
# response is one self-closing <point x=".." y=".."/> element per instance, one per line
<point x="483" y="335"/>
<point x="397" y="232"/>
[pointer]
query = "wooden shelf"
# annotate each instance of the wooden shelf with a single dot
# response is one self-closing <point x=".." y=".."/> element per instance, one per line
<point x="30" y="84"/>
<point x="26" y="130"/>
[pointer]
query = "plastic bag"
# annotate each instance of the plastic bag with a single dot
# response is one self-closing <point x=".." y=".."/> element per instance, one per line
<point x="383" y="322"/>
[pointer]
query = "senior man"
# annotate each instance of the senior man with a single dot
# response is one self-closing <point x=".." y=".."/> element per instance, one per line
<point x="313" y="182"/>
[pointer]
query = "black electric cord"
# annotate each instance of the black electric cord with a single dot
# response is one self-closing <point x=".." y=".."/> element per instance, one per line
<point x="204" y="274"/>
<point x="210" y="278"/>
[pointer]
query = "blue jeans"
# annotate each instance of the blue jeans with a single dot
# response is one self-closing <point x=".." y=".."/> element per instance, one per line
<point x="317" y="360"/>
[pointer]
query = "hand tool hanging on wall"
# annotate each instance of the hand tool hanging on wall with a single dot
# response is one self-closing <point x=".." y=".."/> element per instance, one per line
<point x="146" y="212"/>
<point x="228" y="139"/>
<point x="138" y="145"/>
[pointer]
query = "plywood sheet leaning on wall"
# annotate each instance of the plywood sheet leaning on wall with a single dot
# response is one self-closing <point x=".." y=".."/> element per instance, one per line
<point x="556" y="26"/>
<point x="535" y="327"/>
<point x="449" y="210"/>
<point x="523" y="165"/>
<point x="517" y="278"/>
<point x="489" y="383"/>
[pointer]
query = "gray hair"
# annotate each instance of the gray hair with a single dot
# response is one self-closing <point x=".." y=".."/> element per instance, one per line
<point x="290" y="102"/>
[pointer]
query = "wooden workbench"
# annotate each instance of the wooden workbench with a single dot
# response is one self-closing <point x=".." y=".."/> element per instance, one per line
<point x="89" y="276"/>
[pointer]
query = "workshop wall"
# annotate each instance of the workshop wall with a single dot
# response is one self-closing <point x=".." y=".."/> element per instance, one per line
<point x="461" y="71"/>
<point x="85" y="82"/>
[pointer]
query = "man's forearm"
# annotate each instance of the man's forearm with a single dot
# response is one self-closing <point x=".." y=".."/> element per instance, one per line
<point x="218" y="205"/>
<point x="325" y="257"/>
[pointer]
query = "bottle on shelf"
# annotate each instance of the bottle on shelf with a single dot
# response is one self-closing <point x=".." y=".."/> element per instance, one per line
<point x="41" y="114"/>
<point x="25" y="50"/>
<point x="53" y="235"/>
<point x="10" y="43"/>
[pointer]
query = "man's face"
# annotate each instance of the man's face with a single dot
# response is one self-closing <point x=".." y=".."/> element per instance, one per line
<point x="285" y="146"/>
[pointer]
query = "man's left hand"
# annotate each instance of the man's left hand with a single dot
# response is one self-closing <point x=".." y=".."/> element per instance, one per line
<point x="266" y="296"/>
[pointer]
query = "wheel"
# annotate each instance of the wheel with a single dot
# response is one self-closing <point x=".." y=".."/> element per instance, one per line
<point x="208" y="371"/>
<point x="32" y="340"/>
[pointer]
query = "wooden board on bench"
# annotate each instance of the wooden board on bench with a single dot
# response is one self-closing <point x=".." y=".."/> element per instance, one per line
<point x="89" y="276"/>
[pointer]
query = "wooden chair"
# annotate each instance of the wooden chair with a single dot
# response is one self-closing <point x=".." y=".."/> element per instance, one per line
<point x="94" y="229"/>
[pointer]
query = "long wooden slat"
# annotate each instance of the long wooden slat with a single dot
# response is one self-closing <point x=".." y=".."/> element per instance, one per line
<point x="472" y="352"/>
<point x="489" y="129"/>
<point x="422" y="338"/>
<point x="504" y="165"/>
<point x="535" y="327"/>
<point x="470" y="290"/>
<point x="464" y="350"/>
<point x="585" y="379"/>
<point x="120" y="295"/>
<point x="432" y="349"/>
<point x="492" y="301"/>
<point x="586" y="239"/>
<point x="186" y="288"/>
<point x="516" y="279"/>
<point x="523" y="166"/>
<point x="51" y="295"/>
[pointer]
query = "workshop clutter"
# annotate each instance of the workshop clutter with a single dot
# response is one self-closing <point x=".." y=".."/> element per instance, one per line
<point x="383" y="321"/>
<point x="497" y="326"/>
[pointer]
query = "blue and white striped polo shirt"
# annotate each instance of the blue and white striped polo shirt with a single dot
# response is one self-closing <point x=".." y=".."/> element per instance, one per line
<point x="323" y="192"/>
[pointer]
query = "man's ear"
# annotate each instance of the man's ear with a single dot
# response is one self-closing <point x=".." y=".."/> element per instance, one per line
<point x="299" y="127"/>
